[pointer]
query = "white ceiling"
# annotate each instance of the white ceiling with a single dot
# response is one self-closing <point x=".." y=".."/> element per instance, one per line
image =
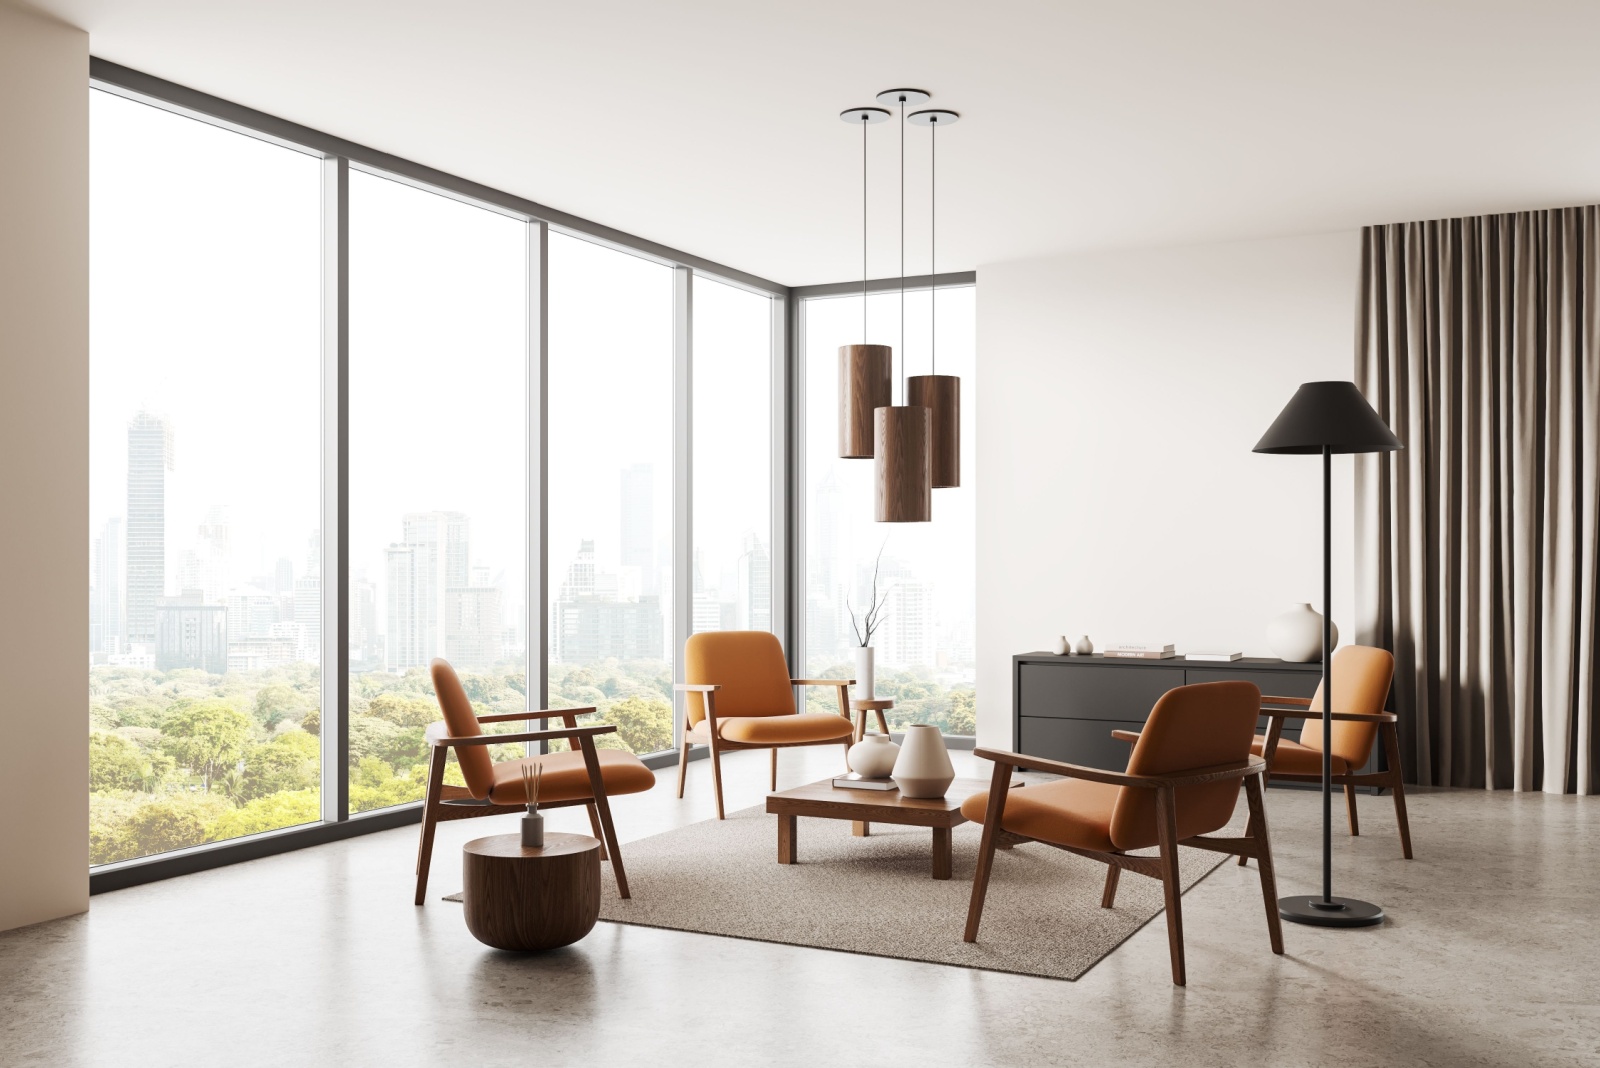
<point x="710" y="125"/>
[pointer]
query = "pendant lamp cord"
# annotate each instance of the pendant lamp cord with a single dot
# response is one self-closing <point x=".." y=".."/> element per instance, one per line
<point x="933" y="242"/>
<point x="903" y="398"/>
<point x="864" y="118"/>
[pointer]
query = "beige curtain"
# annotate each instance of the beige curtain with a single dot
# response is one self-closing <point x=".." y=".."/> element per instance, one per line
<point x="1479" y="344"/>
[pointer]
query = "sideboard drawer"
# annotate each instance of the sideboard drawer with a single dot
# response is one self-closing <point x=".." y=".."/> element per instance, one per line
<point x="1076" y="741"/>
<point x="1093" y="691"/>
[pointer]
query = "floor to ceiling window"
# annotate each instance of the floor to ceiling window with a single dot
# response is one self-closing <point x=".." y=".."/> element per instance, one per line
<point x="438" y="472"/>
<point x="924" y="571"/>
<point x="732" y="347"/>
<point x="205" y="437"/>
<point x="610" y="489"/>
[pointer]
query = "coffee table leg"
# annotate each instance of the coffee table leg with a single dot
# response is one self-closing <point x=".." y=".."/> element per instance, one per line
<point x="860" y="828"/>
<point x="943" y="854"/>
<point x="786" y="842"/>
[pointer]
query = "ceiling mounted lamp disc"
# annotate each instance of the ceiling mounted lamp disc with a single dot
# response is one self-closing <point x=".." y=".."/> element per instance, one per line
<point x="904" y="97"/>
<point x="866" y="383"/>
<point x="941" y="395"/>
<point x="904" y="483"/>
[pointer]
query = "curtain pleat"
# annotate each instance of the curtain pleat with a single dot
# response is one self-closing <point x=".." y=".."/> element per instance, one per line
<point x="1478" y="545"/>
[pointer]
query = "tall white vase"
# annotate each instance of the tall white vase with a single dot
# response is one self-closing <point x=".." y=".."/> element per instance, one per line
<point x="1296" y="636"/>
<point x="864" y="679"/>
<point x="924" y="768"/>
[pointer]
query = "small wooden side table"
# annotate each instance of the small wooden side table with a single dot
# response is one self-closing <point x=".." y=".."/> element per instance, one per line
<point x="531" y="899"/>
<point x="861" y="708"/>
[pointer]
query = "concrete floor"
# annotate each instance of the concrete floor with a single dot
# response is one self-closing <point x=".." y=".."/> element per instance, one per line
<point x="1491" y="957"/>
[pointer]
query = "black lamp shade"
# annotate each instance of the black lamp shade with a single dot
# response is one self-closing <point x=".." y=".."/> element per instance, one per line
<point x="1328" y="415"/>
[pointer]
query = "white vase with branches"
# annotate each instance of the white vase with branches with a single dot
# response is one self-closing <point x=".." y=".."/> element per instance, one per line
<point x="865" y="626"/>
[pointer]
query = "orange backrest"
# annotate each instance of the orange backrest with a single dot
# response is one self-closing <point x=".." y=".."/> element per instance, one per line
<point x="1190" y="727"/>
<point x="747" y="664"/>
<point x="459" y="720"/>
<point x="1361" y="677"/>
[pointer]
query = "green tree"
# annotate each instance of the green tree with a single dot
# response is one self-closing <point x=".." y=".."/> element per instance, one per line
<point x="963" y="715"/>
<point x="291" y="761"/>
<point x="206" y="737"/>
<point x="277" y="703"/>
<point x="115" y="764"/>
<point x="288" y="809"/>
<point x="167" y="823"/>
<point x="312" y="724"/>
<point x="645" y="724"/>
<point x="399" y="747"/>
<point x="403" y="711"/>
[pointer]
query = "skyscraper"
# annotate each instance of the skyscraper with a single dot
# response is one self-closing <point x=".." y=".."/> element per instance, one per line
<point x="755" y="585"/>
<point x="106" y="627"/>
<point x="638" y="518"/>
<point x="150" y="457"/>
<point x="431" y="558"/>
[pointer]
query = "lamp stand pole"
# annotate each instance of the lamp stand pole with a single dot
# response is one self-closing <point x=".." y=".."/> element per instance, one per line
<point x="1327" y="910"/>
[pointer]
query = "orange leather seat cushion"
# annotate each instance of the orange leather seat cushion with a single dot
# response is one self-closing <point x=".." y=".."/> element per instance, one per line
<point x="566" y="779"/>
<point x="1292" y="758"/>
<point x="1072" y="812"/>
<point x="804" y="727"/>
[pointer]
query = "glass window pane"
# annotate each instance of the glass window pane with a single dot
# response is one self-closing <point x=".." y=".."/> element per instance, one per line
<point x="925" y="659"/>
<point x="732" y="458"/>
<point x="205" y="476"/>
<point x="438" y="473"/>
<point x="610" y="490"/>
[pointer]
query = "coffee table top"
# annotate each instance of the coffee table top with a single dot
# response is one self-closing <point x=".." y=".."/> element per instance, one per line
<point x="510" y="847"/>
<point x="827" y="801"/>
<point x="881" y="704"/>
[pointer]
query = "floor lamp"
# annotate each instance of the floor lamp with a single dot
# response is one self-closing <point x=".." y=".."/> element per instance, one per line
<point x="1328" y="418"/>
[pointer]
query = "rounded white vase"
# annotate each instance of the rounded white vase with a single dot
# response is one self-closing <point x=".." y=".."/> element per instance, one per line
<point x="864" y="679"/>
<point x="1296" y="636"/>
<point x="1063" y="646"/>
<point x="924" y="768"/>
<point x="1083" y="646"/>
<point x="874" y="756"/>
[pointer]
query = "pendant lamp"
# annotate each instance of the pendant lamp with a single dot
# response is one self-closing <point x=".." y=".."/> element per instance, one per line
<point x="866" y="372"/>
<point x="940" y="394"/>
<point x="903" y="488"/>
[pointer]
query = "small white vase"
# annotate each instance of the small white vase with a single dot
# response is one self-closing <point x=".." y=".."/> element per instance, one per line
<point x="1296" y="636"/>
<point x="924" y="768"/>
<point x="1063" y="646"/>
<point x="1083" y="646"/>
<point x="874" y="756"/>
<point x="864" y="679"/>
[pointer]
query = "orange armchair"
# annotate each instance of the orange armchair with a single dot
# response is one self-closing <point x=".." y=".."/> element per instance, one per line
<point x="1182" y="783"/>
<point x="1361" y="678"/>
<point x="584" y="775"/>
<point x="738" y="695"/>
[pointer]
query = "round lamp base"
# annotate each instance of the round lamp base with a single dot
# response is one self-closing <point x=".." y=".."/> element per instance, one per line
<point x="1337" y="912"/>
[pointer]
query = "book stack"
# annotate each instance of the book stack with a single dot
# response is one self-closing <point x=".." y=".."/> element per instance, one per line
<point x="1214" y="656"/>
<point x="1130" y="651"/>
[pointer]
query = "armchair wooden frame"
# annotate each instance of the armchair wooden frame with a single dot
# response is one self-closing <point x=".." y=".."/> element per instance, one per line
<point x="720" y="745"/>
<point x="1163" y="867"/>
<point x="445" y="802"/>
<point x="1300" y="708"/>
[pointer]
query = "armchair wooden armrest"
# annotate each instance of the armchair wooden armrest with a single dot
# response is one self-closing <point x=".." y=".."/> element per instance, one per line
<point x="1125" y="736"/>
<point x="1237" y="769"/>
<point x="442" y="739"/>
<point x="694" y="687"/>
<point x="822" y="682"/>
<point x="1296" y="702"/>
<point x="543" y="713"/>
<point x="1359" y="717"/>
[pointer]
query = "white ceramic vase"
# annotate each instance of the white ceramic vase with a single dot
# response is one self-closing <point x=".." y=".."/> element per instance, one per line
<point x="864" y="679"/>
<point x="1296" y="636"/>
<point x="1063" y="646"/>
<point x="924" y="768"/>
<point x="874" y="756"/>
<point x="1083" y="646"/>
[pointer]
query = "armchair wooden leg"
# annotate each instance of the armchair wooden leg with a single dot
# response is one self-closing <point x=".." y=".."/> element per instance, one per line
<point x="991" y="827"/>
<point x="1249" y="832"/>
<point x="683" y="766"/>
<point x="1269" y="881"/>
<point x="594" y="826"/>
<point x="430" y="819"/>
<point x="716" y="773"/>
<point x="1108" y="898"/>
<point x="883" y="724"/>
<point x="774" y="769"/>
<point x="1350" y="807"/>
<point x="1391" y="750"/>
<point x="1171" y="887"/>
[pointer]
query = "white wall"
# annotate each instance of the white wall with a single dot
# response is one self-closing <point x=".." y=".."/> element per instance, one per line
<point x="44" y="479"/>
<point x="1122" y="395"/>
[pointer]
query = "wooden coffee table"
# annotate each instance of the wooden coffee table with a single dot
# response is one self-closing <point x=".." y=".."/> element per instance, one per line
<point x="866" y="807"/>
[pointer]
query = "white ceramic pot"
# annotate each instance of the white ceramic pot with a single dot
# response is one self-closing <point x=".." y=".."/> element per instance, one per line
<point x="864" y="679"/>
<point x="924" y="768"/>
<point x="1063" y="646"/>
<point x="1083" y="646"/>
<point x="1296" y="636"/>
<point x="874" y="756"/>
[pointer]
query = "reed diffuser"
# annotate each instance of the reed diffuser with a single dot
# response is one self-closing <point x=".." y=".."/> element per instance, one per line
<point x="532" y="823"/>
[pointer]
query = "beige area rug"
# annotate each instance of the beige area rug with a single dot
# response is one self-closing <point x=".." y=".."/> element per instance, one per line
<point x="875" y="895"/>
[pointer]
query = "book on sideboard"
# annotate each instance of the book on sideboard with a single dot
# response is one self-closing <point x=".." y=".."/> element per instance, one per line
<point x="1138" y="647"/>
<point x="1129" y="654"/>
<point x="1225" y="657"/>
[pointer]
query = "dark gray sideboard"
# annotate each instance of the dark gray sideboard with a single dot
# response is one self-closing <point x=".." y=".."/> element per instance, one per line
<point x="1065" y="707"/>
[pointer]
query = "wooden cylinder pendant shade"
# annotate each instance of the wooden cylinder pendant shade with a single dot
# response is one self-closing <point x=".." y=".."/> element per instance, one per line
<point x="865" y="385"/>
<point x="941" y="395"/>
<point x="904" y="483"/>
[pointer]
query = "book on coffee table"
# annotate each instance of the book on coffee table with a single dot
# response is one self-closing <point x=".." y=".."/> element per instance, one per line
<point x="853" y="781"/>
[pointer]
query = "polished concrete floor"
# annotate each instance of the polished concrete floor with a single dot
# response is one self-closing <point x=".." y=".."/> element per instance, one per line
<point x="1491" y="956"/>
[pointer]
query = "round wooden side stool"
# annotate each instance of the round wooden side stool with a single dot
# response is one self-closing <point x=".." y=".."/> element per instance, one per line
<point x="531" y="899"/>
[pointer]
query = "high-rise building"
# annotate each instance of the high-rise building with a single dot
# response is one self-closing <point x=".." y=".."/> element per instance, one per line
<point x="638" y="517"/>
<point x="105" y="607"/>
<point x="150" y="457"/>
<point x="755" y="585"/>
<point x="191" y="634"/>
<point x="474" y="626"/>
<point x="907" y="636"/>
<point x="207" y="564"/>
<point x="308" y="618"/>
<point x="366" y="644"/>
<point x="431" y="558"/>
